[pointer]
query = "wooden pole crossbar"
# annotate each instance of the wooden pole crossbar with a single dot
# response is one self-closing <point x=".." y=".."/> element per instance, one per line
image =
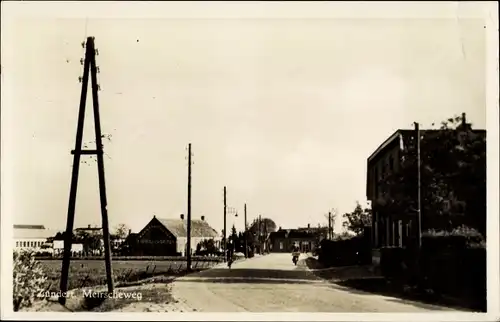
<point x="87" y="152"/>
<point x="89" y="68"/>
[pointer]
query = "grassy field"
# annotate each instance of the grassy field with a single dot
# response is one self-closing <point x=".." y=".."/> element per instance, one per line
<point x="87" y="273"/>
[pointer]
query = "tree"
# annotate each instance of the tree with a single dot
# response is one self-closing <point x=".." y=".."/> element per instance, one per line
<point x="223" y="238"/>
<point x="358" y="219"/>
<point x="234" y="233"/>
<point x="453" y="178"/>
<point x="91" y="242"/>
<point x="121" y="231"/>
<point x="233" y="238"/>
<point x="210" y="246"/>
<point x="267" y="225"/>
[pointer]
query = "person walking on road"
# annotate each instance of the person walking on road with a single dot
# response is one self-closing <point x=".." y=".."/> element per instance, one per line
<point x="229" y="255"/>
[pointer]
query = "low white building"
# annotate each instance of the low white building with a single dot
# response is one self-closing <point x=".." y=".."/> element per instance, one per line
<point x="58" y="247"/>
<point x="32" y="237"/>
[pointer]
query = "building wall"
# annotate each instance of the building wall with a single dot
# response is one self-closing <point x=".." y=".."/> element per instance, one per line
<point x="182" y="243"/>
<point x="386" y="230"/>
<point x="155" y="241"/>
<point x="29" y="243"/>
<point x="58" y="247"/>
<point x="284" y="245"/>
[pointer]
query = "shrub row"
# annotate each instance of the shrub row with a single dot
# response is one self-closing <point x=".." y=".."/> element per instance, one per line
<point x="449" y="263"/>
<point x="141" y="258"/>
<point x="346" y="252"/>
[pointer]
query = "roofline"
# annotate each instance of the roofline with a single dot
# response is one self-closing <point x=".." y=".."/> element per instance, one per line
<point x="184" y="222"/>
<point x="388" y="141"/>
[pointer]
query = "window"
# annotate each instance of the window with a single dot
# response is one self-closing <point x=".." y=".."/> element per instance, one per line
<point x="17" y="244"/>
<point x="281" y="245"/>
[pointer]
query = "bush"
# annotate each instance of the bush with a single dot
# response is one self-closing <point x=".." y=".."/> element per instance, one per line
<point x="459" y="238"/>
<point x="28" y="277"/>
<point x="393" y="264"/>
<point x="345" y="251"/>
<point x="454" y="263"/>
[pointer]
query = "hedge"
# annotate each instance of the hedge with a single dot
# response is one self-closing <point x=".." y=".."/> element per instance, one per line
<point x="140" y="258"/>
<point x="449" y="263"/>
<point x="346" y="252"/>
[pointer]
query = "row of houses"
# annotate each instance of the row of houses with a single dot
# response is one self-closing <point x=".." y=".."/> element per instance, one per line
<point x="160" y="237"/>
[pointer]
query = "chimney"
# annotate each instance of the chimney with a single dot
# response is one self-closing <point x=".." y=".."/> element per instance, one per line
<point x="129" y="231"/>
<point x="89" y="226"/>
<point x="279" y="228"/>
<point x="203" y="218"/>
<point x="464" y="122"/>
<point x="182" y="216"/>
<point x="308" y="226"/>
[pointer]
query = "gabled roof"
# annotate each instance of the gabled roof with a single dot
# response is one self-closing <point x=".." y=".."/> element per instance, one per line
<point x="301" y="234"/>
<point x="294" y="233"/>
<point x="29" y="227"/>
<point x="404" y="134"/>
<point x="32" y="233"/>
<point x="178" y="227"/>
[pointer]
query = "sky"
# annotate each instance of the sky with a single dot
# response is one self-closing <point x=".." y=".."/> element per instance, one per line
<point x="284" y="112"/>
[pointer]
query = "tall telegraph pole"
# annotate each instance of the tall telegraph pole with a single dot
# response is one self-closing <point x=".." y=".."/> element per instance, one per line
<point x="419" y="201"/>
<point x="260" y="234"/>
<point x="89" y="68"/>
<point x="188" y="244"/>
<point x="330" y="225"/>
<point x="245" y="234"/>
<point x="225" y="213"/>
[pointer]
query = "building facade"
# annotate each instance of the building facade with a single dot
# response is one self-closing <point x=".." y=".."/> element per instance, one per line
<point x="31" y="237"/>
<point x="168" y="237"/>
<point x="283" y="240"/>
<point x="395" y="228"/>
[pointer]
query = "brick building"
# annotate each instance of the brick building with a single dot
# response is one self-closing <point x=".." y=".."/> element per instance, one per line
<point x="396" y="229"/>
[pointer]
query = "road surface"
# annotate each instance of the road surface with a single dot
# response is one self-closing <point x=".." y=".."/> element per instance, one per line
<point x="272" y="283"/>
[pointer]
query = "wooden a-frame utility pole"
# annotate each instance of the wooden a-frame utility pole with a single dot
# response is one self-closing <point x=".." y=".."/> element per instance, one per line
<point x="188" y="243"/>
<point x="89" y="67"/>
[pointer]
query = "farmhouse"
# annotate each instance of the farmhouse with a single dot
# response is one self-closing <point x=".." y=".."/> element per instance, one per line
<point x="168" y="237"/>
